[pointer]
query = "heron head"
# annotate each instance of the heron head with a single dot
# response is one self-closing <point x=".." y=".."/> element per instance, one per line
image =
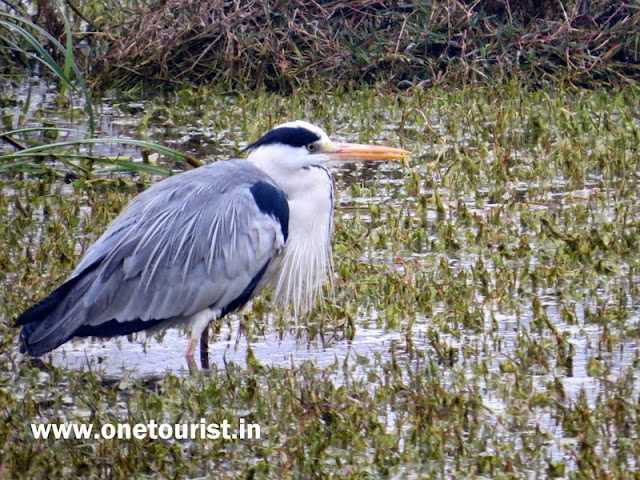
<point x="299" y="144"/>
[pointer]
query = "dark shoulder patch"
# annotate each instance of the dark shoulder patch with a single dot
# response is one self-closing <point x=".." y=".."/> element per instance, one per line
<point x="293" y="136"/>
<point x="272" y="201"/>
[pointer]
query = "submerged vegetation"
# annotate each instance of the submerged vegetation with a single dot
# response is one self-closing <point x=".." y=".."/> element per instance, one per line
<point x="497" y="270"/>
<point x="483" y="320"/>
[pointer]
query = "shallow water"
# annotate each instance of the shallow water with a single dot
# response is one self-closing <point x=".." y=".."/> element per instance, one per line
<point x="154" y="356"/>
<point x="123" y="119"/>
<point x="507" y="335"/>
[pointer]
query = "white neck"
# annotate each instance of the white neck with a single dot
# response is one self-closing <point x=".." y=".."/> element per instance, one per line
<point x="297" y="276"/>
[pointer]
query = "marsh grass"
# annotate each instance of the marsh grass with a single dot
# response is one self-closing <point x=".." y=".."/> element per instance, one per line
<point x="502" y="260"/>
<point x="22" y="36"/>
<point x="25" y="157"/>
<point x="499" y="266"/>
<point x="72" y="157"/>
<point x="283" y="46"/>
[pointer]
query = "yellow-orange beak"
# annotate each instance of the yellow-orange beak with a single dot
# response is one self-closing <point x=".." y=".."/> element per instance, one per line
<point x="356" y="152"/>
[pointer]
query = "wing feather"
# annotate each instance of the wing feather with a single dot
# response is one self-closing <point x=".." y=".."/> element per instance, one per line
<point x="193" y="241"/>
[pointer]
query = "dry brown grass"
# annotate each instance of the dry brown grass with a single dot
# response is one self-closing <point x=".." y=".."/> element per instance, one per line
<point x="283" y="45"/>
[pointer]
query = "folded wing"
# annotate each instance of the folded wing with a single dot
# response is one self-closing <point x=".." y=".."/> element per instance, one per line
<point x="201" y="239"/>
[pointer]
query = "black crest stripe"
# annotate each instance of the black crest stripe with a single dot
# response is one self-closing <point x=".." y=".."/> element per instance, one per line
<point x="293" y="136"/>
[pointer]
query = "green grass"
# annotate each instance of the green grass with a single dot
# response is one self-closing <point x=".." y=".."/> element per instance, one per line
<point x="502" y="260"/>
<point x="23" y="36"/>
<point x="28" y="157"/>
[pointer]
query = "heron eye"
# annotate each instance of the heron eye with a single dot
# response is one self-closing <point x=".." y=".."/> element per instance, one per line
<point x="312" y="147"/>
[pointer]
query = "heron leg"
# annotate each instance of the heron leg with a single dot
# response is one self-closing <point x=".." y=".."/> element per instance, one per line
<point x="191" y="348"/>
<point x="193" y="366"/>
<point x="198" y="327"/>
<point x="204" y="348"/>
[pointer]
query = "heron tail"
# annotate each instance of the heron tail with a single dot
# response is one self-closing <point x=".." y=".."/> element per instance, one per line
<point x="39" y="321"/>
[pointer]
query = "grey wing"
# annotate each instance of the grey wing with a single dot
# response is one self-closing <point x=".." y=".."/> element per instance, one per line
<point x="195" y="242"/>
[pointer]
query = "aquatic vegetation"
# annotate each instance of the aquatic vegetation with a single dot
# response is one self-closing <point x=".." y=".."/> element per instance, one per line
<point x="483" y="319"/>
<point x="22" y="35"/>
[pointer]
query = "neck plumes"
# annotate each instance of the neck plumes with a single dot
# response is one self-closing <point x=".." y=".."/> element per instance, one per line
<point x="297" y="275"/>
<point x="307" y="259"/>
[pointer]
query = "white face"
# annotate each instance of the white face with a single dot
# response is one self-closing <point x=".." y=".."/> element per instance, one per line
<point x="289" y="157"/>
<point x="300" y="144"/>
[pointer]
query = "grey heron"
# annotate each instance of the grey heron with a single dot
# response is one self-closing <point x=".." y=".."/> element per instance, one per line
<point x="199" y="245"/>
